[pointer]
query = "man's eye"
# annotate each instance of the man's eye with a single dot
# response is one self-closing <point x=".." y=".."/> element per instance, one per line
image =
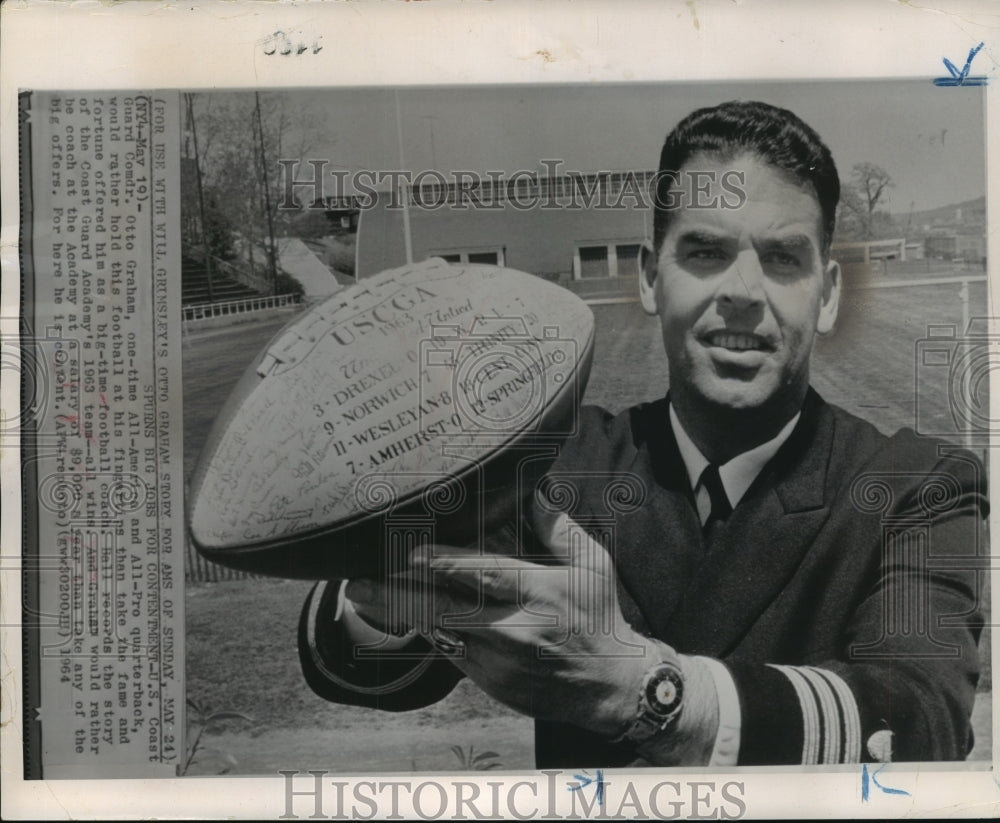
<point x="705" y="259"/>
<point x="706" y="254"/>
<point x="783" y="259"/>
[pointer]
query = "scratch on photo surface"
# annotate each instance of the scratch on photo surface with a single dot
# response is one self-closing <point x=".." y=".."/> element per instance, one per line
<point x="7" y="713"/>
<point x="48" y="786"/>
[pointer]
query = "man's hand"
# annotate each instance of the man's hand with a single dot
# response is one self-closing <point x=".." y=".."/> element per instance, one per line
<point x="549" y="641"/>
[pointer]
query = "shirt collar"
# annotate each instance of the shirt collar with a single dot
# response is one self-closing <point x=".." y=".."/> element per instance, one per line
<point x="739" y="473"/>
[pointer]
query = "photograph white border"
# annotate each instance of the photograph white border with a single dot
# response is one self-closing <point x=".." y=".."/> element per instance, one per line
<point x="204" y="45"/>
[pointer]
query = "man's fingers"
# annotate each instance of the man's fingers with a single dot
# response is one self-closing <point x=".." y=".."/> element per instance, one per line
<point x="499" y="577"/>
<point x="399" y="602"/>
<point x="450" y="581"/>
<point x="570" y="543"/>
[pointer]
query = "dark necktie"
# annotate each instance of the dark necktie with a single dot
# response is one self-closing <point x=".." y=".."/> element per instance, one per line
<point x="716" y="494"/>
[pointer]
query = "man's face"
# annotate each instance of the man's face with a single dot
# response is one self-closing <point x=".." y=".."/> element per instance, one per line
<point x="741" y="293"/>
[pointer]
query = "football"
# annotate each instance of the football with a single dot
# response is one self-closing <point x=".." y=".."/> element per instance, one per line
<point x="420" y="405"/>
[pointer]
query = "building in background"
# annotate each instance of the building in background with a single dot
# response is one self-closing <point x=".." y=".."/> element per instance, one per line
<point x="955" y="233"/>
<point x="584" y="231"/>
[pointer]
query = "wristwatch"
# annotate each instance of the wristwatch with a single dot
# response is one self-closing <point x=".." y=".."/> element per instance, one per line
<point x="661" y="698"/>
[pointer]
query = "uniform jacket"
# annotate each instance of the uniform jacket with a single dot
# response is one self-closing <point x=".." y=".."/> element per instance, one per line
<point x="840" y="593"/>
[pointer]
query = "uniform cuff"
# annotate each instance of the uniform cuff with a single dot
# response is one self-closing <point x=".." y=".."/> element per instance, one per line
<point x="361" y="631"/>
<point x="726" y="751"/>
<point x="795" y="714"/>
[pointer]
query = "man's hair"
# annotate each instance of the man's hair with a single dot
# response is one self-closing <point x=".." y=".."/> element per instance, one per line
<point x="774" y="135"/>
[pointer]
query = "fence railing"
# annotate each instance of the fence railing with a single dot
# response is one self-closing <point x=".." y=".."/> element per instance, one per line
<point x="245" y="305"/>
<point x="199" y="570"/>
<point x="245" y="275"/>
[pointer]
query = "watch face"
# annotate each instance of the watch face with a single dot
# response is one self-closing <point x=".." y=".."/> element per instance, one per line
<point x="665" y="690"/>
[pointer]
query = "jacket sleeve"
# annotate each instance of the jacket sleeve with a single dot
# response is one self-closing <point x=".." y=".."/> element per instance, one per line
<point x="341" y="670"/>
<point x="902" y="685"/>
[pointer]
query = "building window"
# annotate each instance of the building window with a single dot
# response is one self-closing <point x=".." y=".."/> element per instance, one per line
<point x="493" y="256"/>
<point x="628" y="259"/>
<point x="591" y="262"/>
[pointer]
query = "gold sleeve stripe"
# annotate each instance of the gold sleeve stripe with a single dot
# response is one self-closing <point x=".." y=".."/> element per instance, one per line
<point x="851" y="720"/>
<point x="831" y="724"/>
<point x="830" y="711"/>
<point x="811" y="731"/>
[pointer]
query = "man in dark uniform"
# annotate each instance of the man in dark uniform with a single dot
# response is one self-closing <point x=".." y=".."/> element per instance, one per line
<point x="778" y="582"/>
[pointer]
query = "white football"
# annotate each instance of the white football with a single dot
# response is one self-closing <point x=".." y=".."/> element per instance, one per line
<point x="419" y="405"/>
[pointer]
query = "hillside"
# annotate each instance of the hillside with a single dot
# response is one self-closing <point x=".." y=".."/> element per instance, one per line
<point x="970" y="213"/>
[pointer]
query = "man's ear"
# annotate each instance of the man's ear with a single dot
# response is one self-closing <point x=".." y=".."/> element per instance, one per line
<point x="831" y="298"/>
<point x="647" y="278"/>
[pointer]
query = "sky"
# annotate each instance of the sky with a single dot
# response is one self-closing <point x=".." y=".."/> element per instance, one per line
<point x="930" y="139"/>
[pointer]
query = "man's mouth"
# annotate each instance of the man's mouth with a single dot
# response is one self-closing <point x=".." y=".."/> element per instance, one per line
<point x="737" y="341"/>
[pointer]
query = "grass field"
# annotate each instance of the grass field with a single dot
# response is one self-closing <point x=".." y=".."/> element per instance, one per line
<point x="241" y="648"/>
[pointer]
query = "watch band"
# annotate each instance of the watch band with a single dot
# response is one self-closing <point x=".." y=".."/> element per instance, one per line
<point x="661" y="697"/>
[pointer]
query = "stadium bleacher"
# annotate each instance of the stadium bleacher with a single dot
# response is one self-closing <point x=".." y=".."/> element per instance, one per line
<point x="195" y="285"/>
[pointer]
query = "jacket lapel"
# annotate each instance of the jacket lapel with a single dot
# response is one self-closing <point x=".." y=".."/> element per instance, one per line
<point x="661" y="548"/>
<point x="757" y="551"/>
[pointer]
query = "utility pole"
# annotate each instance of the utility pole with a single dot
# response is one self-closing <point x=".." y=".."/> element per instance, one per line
<point x="272" y="261"/>
<point x="430" y="118"/>
<point x="407" y="237"/>
<point x="188" y="98"/>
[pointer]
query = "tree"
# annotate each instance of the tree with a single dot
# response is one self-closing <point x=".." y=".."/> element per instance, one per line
<point x="241" y="137"/>
<point x="859" y="216"/>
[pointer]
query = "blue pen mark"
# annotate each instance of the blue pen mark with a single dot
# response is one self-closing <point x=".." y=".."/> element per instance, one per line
<point x="886" y="789"/>
<point x="961" y="78"/>
<point x="865" y="777"/>
<point x="585" y="780"/>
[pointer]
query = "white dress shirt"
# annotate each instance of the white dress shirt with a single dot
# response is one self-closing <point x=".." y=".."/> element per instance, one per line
<point x="737" y="475"/>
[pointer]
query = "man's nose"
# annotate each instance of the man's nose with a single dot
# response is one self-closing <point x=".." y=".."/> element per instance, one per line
<point x="743" y="282"/>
